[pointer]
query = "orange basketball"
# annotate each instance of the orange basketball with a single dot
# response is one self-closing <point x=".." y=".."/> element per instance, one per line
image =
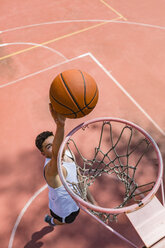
<point x="73" y="93"/>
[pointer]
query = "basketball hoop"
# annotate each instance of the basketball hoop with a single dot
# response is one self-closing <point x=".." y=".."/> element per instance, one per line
<point x="116" y="150"/>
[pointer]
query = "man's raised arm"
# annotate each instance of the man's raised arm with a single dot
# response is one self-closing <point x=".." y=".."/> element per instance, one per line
<point x="58" y="138"/>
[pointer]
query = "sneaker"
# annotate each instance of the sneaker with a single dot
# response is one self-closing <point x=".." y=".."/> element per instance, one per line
<point x="48" y="220"/>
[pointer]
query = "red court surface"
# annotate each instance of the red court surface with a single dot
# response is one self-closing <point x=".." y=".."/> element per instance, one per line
<point x="121" y="44"/>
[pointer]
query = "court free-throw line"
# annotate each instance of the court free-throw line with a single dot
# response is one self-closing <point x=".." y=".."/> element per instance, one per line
<point x="127" y="94"/>
<point x="115" y="11"/>
<point x="22" y="213"/>
<point x="43" y="70"/>
<point x="106" y="71"/>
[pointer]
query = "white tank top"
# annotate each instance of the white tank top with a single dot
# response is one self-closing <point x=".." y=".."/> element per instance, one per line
<point x="60" y="202"/>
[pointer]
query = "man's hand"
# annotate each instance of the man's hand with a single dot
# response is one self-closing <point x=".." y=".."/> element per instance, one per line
<point x="58" y="118"/>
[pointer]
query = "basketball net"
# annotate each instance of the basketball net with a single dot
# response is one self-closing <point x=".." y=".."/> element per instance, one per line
<point x="108" y="153"/>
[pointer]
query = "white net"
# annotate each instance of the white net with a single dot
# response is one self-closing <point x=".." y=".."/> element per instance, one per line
<point x="116" y="162"/>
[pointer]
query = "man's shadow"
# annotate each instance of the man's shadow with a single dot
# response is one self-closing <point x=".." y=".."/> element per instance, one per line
<point x="33" y="243"/>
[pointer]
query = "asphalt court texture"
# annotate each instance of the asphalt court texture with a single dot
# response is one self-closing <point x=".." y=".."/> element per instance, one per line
<point x="121" y="44"/>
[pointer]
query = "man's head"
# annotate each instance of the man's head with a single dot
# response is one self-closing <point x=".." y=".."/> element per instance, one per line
<point x="44" y="143"/>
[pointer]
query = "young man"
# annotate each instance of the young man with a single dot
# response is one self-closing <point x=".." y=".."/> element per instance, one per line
<point x="63" y="208"/>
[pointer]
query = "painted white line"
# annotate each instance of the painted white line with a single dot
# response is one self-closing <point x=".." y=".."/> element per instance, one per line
<point x="53" y="66"/>
<point x="140" y="24"/>
<point x="127" y="94"/>
<point x="77" y="21"/>
<point x="22" y="213"/>
<point x="40" y="71"/>
<point x="34" y="44"/>
<point x="106" y="71"/>
<point x="45" y="186"/>
<point x="50" y="23"/>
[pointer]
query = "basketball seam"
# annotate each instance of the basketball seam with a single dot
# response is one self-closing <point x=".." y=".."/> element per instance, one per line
<point x="86" y="105"/>
<point x="63" y="106"/>
<point x="92" y="99"/>
<point x="71" y="94"/>
<point x="84" y="87"/>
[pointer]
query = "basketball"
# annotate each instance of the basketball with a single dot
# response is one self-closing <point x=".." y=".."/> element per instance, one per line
<point x="73" y="93"/>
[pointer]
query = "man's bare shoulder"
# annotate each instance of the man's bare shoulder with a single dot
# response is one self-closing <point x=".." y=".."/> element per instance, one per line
<point x="50" y="176"/>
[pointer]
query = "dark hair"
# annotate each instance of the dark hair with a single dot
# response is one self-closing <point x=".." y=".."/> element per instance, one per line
<point x="41" y="138"/>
